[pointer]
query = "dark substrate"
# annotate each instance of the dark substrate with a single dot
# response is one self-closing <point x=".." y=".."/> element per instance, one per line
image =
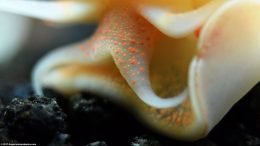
<point x="89" y="120"/>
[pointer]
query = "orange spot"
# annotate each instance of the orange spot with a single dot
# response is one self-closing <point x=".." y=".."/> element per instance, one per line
<point x="106" y="31"/>
<point x="132" y="50"/>
<point x="121" y="61"/>
<point x="133" y="41"/>
<point x="141" y="43"/>
<point x="142" y="54"/>
<point x="115" y="43"/>
<point x="124" y="44"/>
<point x="117" y="51"/>
<point x="82" y="47"/>
<point x="197" y="32"/>
<point x="104" y="38"/>
<point x="114" y="35"/>
<point x="178" y="120"/>
<point x="141" y="69"/>
<point x="133" y="61"/>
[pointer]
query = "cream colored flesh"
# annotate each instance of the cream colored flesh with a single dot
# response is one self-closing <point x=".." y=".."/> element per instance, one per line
<point x="61" y="11"/>
<point x="227" y="65"/>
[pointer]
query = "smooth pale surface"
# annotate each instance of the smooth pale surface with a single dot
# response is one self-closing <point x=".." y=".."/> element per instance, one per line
<point x="175" y="24"/>
<point x="13" y="32"/>
<point x="62" y="11"/>
<point x="72" y="54"/>
<point x="228" y="63"/>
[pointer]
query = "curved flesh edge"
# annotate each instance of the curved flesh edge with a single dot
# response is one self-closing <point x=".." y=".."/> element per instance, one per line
<point x="175" y="24"/>
<point x="227" y="65"/>
<point x="61" y="11"/>
<point x="130" y="39"/>
<point x="72" y="54"/>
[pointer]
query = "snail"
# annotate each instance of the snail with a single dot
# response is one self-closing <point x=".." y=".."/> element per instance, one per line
<point x="178" y="65"/>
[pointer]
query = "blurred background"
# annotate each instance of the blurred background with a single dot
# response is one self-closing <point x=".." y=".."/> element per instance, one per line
<point x="23" y="41"/>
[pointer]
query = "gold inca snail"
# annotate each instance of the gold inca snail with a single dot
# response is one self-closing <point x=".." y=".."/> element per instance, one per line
<point x="180" y="65"/>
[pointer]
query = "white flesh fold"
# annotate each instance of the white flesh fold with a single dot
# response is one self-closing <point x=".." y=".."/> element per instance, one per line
<point x="178" y="24"/>
<point x="71" y="54"/>
<point x="228" y="63"/>
<point x="56" y="11"/>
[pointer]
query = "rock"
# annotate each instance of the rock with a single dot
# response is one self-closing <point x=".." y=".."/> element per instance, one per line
<point x="97" y="143"/>
<point x="61" y="139"/>
<point x="251" y="110"/>
<point x="240" y="126"/>
<point x="34" y="120"/>
<point x="4" y="138"/>
<point x="203" y="142"/>
<point x="99" y="118"/>
<point x="89" y="115"/>
<point x="91" y="118"/>
<point x="145" y="140"/>
<point x="249" y="140"/>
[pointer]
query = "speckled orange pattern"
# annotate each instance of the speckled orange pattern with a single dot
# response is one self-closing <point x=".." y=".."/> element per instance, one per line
<point x="181" y="116"/>
<point x="128" y="36"/>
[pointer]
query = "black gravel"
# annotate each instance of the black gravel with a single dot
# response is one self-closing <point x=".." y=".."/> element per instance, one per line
<point x="33" y="120"/>
<point x="145" y="140"/>
<point x="97" y="143"/>
<point x="89" y="120"/>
